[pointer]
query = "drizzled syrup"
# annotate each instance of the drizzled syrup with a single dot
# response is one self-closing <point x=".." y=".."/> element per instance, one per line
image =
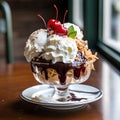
<point x="60" y="67"/>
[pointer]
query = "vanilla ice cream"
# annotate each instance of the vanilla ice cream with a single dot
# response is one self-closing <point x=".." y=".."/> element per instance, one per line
<point x="35" y="44"/>
<point x="77" y="29"/>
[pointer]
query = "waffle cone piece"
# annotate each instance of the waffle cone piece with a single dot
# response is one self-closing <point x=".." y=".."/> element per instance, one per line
<point x="52" y="76"/>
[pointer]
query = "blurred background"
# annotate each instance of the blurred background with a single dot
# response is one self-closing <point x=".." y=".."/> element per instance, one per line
<point x="25" y="21"/>
<point x="98" y="19"/>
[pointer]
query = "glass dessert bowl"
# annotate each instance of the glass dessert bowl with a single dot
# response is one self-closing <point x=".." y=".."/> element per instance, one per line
<point x="60" y="75"/>
<point x="59" y="56"/>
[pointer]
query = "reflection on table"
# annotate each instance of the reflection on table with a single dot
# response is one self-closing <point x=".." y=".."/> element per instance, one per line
<point x="15" y="78"/>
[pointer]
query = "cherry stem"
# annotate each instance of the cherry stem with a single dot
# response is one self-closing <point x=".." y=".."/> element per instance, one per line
<point x="42" y="20"/>
<point x="65" y="16"/>
<point x="56" y="11"/>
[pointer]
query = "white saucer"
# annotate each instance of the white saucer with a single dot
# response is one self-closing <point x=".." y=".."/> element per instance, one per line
<point x="41" y="95"/>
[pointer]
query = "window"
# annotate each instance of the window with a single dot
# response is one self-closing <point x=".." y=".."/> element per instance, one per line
<point x="100" y="21"/>
<point x="109" y="30"/>
<point x="111" y="23"/>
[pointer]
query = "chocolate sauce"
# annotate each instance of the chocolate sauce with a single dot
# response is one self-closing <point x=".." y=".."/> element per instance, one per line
<point x="74" y="98"/>
<point x="60" y="67"/>
<point x="77" y="72"/>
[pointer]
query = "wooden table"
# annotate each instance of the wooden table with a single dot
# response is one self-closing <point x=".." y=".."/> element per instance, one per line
<point x="14" y="78"/>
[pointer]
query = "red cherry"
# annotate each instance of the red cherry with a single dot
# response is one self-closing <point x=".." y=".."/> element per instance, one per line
<point x="60" y="30"/>
<point x="56" y="26"/>
<point x="52" y="23"/>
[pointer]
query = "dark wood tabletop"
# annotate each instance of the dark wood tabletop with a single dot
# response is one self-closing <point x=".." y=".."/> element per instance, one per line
<point x="14" y="78"/>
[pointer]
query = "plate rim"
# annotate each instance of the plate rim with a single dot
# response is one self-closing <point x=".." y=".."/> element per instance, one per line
<point x="58" y="104"/>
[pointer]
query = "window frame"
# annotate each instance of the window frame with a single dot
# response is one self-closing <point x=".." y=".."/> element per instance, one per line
<point x="111" y="54"/>
<point x="107" y="38"/>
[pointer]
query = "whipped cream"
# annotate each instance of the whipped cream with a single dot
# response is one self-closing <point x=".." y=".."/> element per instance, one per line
<point x="60" y="49"/>
<point x="52" y="46"/>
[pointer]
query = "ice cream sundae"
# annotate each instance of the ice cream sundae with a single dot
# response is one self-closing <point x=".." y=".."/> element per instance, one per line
<point x="58" y="54"/>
